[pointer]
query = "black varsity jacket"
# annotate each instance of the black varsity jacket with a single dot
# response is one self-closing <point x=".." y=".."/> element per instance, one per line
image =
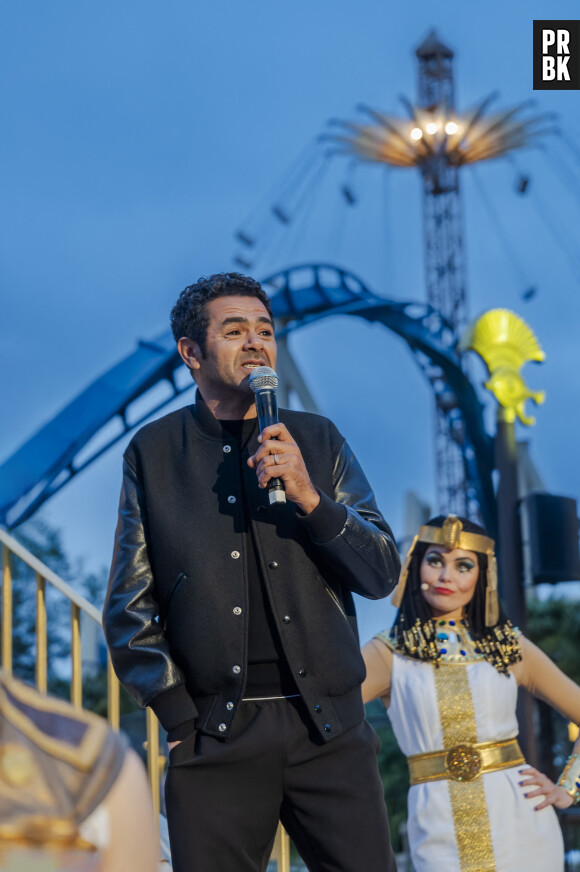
<point x="176" y="611"/>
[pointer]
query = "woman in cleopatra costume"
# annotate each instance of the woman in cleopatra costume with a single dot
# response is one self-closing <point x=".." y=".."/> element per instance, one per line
<point x="448" y="672"/>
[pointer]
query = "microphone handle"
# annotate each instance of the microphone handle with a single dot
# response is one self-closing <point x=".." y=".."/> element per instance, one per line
<point x="267" y="408"/>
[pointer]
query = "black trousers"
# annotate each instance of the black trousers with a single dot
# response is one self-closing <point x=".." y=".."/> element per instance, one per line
<point x="224" y="798"/>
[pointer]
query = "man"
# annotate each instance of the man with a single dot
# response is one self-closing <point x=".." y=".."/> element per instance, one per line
<point x="234" y="619"/>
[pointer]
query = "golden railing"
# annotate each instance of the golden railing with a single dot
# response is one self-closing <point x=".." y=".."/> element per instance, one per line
<point x="12" y="549"/>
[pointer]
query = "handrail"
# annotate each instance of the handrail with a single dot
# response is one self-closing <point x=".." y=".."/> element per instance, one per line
<point x="78" y="604"/>
<point x="14" y="546"/>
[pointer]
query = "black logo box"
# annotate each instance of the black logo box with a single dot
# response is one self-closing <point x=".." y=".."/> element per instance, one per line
<point x="572" y="65"/>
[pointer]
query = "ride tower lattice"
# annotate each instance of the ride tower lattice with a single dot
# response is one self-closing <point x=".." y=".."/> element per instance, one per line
<point x="438" y="140"/>
<point x="444" y="262"/>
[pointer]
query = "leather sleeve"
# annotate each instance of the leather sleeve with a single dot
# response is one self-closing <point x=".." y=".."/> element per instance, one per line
<point x="363" y="551"/>
<point x="137" y="643"/>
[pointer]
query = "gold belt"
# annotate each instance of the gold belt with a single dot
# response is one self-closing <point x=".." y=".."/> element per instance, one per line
<point x="464" y="762"/>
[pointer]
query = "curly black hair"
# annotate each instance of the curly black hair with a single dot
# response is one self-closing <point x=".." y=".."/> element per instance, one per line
<point x="497" y="643"/>
<point x="189" y="315"/>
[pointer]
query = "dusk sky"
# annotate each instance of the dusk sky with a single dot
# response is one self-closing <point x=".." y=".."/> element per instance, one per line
<point x="137" y="138"/>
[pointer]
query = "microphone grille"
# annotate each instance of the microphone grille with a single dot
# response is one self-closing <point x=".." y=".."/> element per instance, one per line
<point x="263" y="377"/>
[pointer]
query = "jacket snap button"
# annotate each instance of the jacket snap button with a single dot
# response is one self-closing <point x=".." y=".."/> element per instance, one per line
<point x="231" y="499"/>
<point x="237" y="610"/>
<point x="229" y="706"/>
<point x="317" y="709"/>
<point x="327" y="728"/>
<point x="227" y="449"/>
<point x="261" y="509"/>
<point x="222" y="728"/>
<point x="272" y="564"/>
<point x="235" y="554"/>
<point x="236" y="670"/>
<point x="286" y="619"/>
<point x="302" y="673"/>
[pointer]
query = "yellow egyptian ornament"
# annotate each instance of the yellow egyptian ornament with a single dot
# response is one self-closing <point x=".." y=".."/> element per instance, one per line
<point x="505" y="342"/>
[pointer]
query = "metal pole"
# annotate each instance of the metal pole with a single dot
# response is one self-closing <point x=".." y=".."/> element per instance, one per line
<point x="281" y="850"/>
<point x="41" y="634"/>
<point x="155" y="763"/>
<point x="509" y="535"/>
<point x="113" y="696"/>
<point x="6" y="610"/>
<point x="510" y="562"/>
<point x="76" y="688"/>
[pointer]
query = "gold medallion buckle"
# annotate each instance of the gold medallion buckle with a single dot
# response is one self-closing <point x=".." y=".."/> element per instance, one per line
<point x="463" y="763"/>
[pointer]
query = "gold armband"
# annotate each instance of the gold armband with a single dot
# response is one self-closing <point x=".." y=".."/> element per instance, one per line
<point x="570" y="778"/>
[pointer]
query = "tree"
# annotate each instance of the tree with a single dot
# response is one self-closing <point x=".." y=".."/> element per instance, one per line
<point x="46" y="544"/>
<point x="554" y="625"/>
<point x="394" y="771"/>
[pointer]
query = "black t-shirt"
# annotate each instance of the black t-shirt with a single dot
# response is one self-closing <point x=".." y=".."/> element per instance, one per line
<point x="268" y="671"/>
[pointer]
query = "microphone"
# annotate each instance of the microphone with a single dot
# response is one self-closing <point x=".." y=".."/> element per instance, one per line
<point x="264" y="381"/>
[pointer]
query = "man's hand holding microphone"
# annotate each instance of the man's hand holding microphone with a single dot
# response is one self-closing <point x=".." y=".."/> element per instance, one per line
<point x="278" y="462"/>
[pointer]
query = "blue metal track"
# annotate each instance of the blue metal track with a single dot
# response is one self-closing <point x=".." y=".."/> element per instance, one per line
<point x="103" y="413"/>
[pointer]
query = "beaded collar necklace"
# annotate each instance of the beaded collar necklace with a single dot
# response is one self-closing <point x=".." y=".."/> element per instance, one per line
<point x="439" y="641"/>
<point x="454" y="642"/>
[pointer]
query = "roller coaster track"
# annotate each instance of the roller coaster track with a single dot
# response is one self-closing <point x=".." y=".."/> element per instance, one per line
<point x="124" y="396"/>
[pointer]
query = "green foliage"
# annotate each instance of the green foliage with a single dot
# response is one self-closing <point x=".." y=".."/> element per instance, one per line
<point x="394" y="771"/>
<point x="554" y="625"/>
<point x="95" y="695"/>
<point x="46" y="545"/>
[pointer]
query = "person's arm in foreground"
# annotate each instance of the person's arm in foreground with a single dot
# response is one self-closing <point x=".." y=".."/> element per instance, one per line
<point x="133" y="843"/>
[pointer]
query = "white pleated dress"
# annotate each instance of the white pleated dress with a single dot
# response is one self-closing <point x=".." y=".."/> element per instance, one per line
<point x="487" y="825"/>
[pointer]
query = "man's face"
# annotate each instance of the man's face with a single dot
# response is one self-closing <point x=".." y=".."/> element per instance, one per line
<point x="240" y="337"/>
